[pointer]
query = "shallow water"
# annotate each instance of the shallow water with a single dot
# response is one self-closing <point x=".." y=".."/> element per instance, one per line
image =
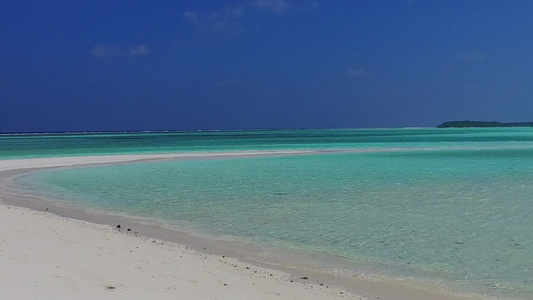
<point x="47" y="145"/>
<point x="456" y="208"/>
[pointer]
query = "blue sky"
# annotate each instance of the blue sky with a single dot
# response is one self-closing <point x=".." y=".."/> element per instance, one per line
<point x="180" y="65"/>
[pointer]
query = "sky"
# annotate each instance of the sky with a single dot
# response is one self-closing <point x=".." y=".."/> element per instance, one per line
<point x="262" y="64"/>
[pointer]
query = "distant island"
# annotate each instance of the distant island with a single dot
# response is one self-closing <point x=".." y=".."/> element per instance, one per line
<point x="452" y="124"/>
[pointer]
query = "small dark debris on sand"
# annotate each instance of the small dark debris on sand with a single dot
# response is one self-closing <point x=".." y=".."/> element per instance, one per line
<point x="129" y="229"/>
<point x="118" y="226"/>
<point x="109" y="287"/>
<point x="304" y="277"/>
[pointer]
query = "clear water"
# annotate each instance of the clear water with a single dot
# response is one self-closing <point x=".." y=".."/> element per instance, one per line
<point x="48" y="145"/>
<point x="457" y="207"/>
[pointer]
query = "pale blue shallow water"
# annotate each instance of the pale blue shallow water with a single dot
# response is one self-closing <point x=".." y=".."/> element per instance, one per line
<point x="457" y="207"/>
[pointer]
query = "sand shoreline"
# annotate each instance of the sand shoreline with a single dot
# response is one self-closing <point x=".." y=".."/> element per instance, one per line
<point x="331" y="288"/>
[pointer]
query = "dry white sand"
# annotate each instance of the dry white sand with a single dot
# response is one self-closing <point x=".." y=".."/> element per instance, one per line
<point x="45" y="256"/>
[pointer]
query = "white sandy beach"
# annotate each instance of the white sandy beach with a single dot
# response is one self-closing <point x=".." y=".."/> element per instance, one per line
<point x="46" y="256"/>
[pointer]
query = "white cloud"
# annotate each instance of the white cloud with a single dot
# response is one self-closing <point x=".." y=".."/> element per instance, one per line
<point x="306" y="7"/>
<point x="226" y="20"/>
<point x="237" y="11"/>
<point x="192" y="17"/>
<point x="281" y="7"/>
<point x="356" y="73"/>
<point x="139" y="50"/>
<point x="103" y="51"/>
<point x="216" y="21"/>
<point x="275" y="6"/>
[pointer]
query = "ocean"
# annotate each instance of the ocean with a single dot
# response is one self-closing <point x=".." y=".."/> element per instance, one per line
<point x="451" y="208"/>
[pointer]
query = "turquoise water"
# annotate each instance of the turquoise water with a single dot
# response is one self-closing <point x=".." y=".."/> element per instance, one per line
<point x="455" y="206"/>
<point x="49" y="145"/>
